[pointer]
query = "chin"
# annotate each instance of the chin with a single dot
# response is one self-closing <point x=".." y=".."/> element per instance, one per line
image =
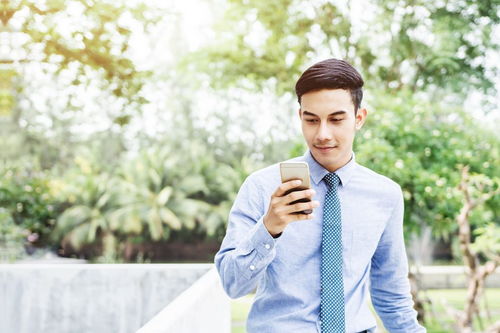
<point x="331" y="160"/>
<point x="325" y="158"/>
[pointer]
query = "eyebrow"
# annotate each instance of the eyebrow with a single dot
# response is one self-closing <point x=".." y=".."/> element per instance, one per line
<point x="307" y="113"/>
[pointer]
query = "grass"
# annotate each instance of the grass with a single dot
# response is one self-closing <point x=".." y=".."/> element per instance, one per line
<point x="438" y="320"/>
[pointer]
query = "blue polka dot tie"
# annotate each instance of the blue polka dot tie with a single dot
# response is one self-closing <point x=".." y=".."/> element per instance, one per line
<point x="332" y="286"/>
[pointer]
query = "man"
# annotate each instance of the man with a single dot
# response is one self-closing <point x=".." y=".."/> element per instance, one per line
<point x="314" y="272"/>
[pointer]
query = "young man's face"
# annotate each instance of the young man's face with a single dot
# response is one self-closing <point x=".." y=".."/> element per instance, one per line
<point x="329" y="125"/>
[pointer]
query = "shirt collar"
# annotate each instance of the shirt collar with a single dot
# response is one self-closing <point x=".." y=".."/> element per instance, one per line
<point x="318" y="171"/>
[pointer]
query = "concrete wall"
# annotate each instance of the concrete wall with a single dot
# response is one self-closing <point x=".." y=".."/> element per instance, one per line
<point x="451" y="277"/>
<point x="204" y="307"/>
<point x="147" y="298"/>
<point x="95" y="298"/>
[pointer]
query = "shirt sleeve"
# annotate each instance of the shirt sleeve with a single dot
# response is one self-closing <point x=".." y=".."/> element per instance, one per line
<point x="248" y="248"/>
<point x="389" y="284"/>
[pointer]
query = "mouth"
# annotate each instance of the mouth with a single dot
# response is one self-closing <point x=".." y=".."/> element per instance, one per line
<point x="325" y="148"/>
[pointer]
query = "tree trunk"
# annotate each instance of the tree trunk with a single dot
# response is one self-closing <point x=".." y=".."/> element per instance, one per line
<point x="477" y="273"/>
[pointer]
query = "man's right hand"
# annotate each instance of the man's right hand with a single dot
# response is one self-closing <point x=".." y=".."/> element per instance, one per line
<point x="280" y="213"/>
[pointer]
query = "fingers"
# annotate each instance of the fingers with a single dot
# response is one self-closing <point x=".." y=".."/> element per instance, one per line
<point x="305" y="216"/>
<point x="297" y="195"/>
<point x="300" y="206"/>
<point x="299" y="217"/>
<point x="286" y="186"/>
<point x="283" y="208"/>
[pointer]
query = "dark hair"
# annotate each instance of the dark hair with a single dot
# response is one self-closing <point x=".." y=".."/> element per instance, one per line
<point x="331" y="74"/>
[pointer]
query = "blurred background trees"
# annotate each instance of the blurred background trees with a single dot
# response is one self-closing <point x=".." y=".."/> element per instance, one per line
<point x="127" y="126"/>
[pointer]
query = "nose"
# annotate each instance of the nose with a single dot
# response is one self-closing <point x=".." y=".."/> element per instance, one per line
<point x="323" y="134"/>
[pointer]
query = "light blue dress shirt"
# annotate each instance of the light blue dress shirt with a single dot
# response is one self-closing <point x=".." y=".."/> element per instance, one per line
<point x="286" y="270"/>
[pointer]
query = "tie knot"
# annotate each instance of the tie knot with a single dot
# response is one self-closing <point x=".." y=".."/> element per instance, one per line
<point x="332" y="180"/>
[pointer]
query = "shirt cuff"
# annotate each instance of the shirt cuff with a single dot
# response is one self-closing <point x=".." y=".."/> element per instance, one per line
<point x="261" y="241"/>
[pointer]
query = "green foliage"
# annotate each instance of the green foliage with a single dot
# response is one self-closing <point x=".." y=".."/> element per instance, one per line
<point x="421" y="146"/>
<point x="12" y="238"/>
<point x="88" y="217"/>
<point x="95" y="37"/>
<point x="27" y="202"/>
<point x="117" y="187"/>
<point x="487" y="240"/>
<point x="156" y="195"/>
<point x="6" y="98"/>
<point x="437" y="47"/>
<point x="60" y="56"/>
<point x="147" y="202"/>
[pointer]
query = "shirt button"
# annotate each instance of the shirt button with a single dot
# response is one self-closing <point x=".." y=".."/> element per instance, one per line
<point x="252" y="267"/>
<point x="267" y="246"/>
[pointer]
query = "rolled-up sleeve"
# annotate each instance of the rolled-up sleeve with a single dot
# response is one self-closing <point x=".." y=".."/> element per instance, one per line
<point x="389" y="284"/>
<point x="247" y="248"/>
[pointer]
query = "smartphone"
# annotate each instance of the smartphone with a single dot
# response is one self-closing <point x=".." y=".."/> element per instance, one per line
<point x="296" y="170"/>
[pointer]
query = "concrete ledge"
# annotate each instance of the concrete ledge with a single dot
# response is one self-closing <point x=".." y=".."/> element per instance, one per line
<point x="450" y="277"/>
<point x="90" y="297"/>
<point x="203" y="307"/>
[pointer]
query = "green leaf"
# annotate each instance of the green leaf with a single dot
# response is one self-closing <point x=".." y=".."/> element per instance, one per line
<point x="155" y="227"/>
<point x="169" y="218"/>
<point x="163" y="196"/>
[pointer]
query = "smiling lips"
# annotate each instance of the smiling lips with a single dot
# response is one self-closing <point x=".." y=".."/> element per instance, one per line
<point x="324" y="149"/>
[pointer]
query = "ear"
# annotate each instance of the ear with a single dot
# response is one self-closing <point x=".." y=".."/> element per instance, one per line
<point x="300" y="113"/>
<point x="360" y="118"/>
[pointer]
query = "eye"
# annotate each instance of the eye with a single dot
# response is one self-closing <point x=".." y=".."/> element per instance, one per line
<point x="337" y="119"/>
<point x="311" y="120"/>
